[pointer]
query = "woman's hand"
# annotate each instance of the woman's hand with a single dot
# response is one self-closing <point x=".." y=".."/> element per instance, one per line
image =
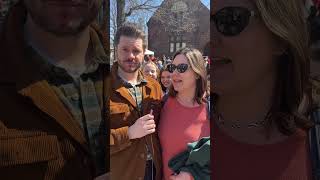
<point x="182" y="176"/>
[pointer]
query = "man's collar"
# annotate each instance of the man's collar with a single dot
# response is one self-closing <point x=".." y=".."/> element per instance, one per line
<point x="98" y="52"/>
<point x="140" y="79"/>
<point x="98" y="55"/>
<point x="117" y="82"/>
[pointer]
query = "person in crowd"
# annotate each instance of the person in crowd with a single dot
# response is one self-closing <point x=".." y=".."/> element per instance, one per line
<point x="260" y="77"/>
<point x="135" y="102"/>
<point x="160" y="64"/>
<point x="165" y="80"/>
<point x="146" y="59"/>
<point x="151" y="69"/>
<point x="152" y="58"/>
<point x="164" y="58"/>
<point x="184" y="117"/>
<point x="168" y="61"/>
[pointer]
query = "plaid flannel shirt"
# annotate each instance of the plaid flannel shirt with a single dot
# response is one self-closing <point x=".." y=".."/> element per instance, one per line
<point x="81" y="96"/>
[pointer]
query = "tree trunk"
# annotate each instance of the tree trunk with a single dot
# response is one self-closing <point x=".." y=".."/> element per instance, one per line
<point x="105" y="25"/>
<point x="120" y="12"/>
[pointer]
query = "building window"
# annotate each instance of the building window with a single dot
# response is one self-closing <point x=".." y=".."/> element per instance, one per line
<point x="176" y="43"/>
<point x="177" y="46"/>
<point x="179" y="18"/>
<point x="171" y="47"/>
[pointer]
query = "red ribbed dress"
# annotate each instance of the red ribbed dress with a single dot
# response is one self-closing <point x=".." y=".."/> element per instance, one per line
<point x="179" y="126"/>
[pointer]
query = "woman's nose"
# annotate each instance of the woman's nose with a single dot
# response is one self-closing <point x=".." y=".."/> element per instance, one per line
<point x="131" y="55"/>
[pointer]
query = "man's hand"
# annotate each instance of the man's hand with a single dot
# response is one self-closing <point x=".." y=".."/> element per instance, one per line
<point x="182" y="176"/>
<point x="143" y="126"/>
<point x="103" y="177"/>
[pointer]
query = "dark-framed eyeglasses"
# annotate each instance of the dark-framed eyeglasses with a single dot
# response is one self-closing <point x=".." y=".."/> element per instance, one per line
<point x="181" y="68"/>
<point x="232" y="20"/>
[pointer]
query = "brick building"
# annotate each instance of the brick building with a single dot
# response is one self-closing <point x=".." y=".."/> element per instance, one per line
<point x="178" y="23"/>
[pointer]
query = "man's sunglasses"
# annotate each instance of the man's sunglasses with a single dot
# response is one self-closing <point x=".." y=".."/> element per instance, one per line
<point x="231" y="21"/>
<point x="181" y="68"/>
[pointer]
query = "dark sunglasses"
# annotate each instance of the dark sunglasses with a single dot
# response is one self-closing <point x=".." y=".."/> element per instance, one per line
<point x="231" y="21"/>
<point x="181" y="68"/>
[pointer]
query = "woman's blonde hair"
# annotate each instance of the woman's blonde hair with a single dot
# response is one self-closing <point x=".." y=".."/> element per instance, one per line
<point x="197" y="64"/>
<point x="285" y="19"/>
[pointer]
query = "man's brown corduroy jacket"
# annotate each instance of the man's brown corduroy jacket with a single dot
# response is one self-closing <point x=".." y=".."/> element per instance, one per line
<point x="128" y="157"/>
<point x="39" y="138"/>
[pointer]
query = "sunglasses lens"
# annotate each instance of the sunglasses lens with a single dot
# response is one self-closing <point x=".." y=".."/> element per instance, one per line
<point x="231" y="21"/>
<point x="182" y="68"/>
<point x="171" y="68"/>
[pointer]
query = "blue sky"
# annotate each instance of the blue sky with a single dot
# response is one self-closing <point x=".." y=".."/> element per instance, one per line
<point x="206" y="2"/>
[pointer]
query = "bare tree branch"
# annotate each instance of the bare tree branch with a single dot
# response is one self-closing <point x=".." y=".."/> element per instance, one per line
<point x="133" y="10"/>
<point x="134" y="6"/>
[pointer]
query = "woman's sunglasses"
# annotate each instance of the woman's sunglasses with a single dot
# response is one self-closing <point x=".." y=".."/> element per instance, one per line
<point x="181" y="68"/>
<point x="231" y="21"/>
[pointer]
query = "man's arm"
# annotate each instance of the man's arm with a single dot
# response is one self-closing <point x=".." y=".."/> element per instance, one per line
<point x="121" y="138"/>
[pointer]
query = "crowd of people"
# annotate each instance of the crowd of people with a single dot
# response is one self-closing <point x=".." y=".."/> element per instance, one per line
<point x="158" y="69"/>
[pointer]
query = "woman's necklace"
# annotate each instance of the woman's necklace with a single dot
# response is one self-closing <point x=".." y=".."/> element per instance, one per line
<point x="237" y="124"/>
<point x="186" y="102"/>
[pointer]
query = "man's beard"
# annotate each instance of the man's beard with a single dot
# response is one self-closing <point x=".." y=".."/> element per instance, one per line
<point x="127" y="70"/>
<point x="73" y="28"/>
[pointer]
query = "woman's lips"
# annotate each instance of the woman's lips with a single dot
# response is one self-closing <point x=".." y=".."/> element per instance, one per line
<point x="166" y="84"/>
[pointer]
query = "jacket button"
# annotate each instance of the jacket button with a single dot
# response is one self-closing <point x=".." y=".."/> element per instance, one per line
<point x="142" y="155"/>
<point x="140" y="178"/>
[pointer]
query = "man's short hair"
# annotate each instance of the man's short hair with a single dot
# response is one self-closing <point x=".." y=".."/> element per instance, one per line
<point x="130" y="30"/>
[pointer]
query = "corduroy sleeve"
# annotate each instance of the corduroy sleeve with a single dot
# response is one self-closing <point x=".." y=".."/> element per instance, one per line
<point x="119" y="139"/>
